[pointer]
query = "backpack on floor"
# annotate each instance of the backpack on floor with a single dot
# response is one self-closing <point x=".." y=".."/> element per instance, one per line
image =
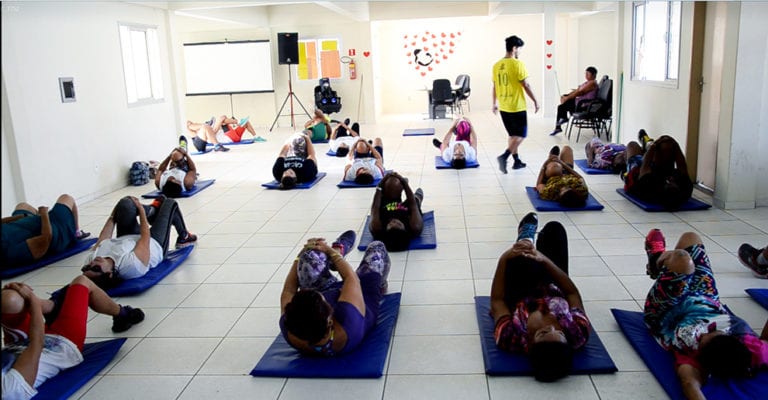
<point x="139" y="173"/>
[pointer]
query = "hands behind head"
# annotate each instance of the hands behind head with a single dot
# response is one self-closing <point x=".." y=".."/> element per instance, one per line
<point x="318" y="244"/>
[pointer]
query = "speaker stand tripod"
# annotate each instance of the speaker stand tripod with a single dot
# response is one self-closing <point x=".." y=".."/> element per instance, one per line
<point x="290" y="96"/>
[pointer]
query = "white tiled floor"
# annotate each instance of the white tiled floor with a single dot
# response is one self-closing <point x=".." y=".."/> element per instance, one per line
<point x="210" y="321"/>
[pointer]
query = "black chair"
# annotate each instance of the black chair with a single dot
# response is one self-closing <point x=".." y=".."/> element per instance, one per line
<point x="462" y="93"/>
<point x="595" y="114"/>
<point x="326" y="98"/>
<point x="442" y="95"/>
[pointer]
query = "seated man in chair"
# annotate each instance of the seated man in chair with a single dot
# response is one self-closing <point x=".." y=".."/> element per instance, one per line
<point x="570" y="102"/>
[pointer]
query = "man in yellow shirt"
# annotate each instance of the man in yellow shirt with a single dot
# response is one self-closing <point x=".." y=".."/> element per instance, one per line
<point x="510" y="84"/>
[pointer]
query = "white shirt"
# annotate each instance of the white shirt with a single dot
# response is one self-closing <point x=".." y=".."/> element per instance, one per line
<point x="177" y="173"/>
<point x="368" y="163"/>
<point x="127" y="265"/>
<point x="58" y="353"/>
<point x="336" y="143"/>
<point x="469" y="152"/>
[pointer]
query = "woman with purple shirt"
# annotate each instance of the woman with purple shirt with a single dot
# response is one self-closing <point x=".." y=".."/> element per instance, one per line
<point x="536" y="307"/>
<point x="323" y="316"/>
<point x="569" y="103"/>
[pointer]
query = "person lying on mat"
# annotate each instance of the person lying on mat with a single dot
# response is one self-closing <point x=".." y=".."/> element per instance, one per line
<point x="202" y="134"/>
<point x="296" y="162"/>
<point x="231" y="130"/>
<point x="608" y="156"/>
<point x="684" y="314"/>
<point x="320" y="126"/>
<point x="754" y="259"/>
<point x="323" y="316"/>
<point x="366" y="164"/>
<point x="42" y="337"/>
<point x="31" y="233"/>
<point x="657" y="172"/>
<point x="395" y="221"/>
<point x="558" y="181"/>
<point x="139" y="245"/>
<point x="459" y="146"/>
<point x="177" y="173"/>
<point x="344" y="137"/>
<point x="536" y="308"/>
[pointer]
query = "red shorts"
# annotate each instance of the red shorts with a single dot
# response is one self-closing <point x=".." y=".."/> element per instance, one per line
<point x="73" y="316"/>
<point x="236" y="134"/>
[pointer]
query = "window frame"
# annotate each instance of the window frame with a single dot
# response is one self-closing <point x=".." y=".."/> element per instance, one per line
<point x="671" y="50"/>
<point x="154" y="75"/>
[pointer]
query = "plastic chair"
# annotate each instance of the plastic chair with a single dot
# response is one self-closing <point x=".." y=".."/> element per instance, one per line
<point x="596" y="114"/>
<point x="326" y="98"/>
<point x="462" y="94"/>
<point x="442" y="95"/>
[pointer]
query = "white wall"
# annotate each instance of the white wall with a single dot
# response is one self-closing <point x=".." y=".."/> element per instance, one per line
<point x="83" y="148"/>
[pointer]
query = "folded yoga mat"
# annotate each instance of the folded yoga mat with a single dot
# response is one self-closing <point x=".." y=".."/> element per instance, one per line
<point x="593" y="358"/>
<point x="77" y="247"/>
<point x="661" y="363"/>
<point x="419" y="132"/>
<point x="427" y="239"/>
<point x="96" y="356"/>
<point x="137" y="285"/>
<point x="303" y="185"/>
<point x="441" y="164"/>
<point x="550" y="205"/>
<point x="759" y="295"/>
<point x="691" y="205"/>
<point x="367" y="361"/>
<point x="199" y="185"/>
<point x="593" y="171"/>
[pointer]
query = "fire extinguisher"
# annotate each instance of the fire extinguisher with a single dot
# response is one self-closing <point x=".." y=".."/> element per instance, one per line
<point x="352" y="70"/>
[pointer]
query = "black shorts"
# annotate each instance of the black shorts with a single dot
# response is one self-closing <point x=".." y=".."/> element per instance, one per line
<point x="199" y="144"/>
<point x="515" y="123"/>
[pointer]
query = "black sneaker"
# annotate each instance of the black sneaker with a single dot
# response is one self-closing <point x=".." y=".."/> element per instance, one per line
<point x="518" y="164"/>
<point x="220" y="147"/>
<point x="345" y="242"/>
<point x="555" y="151"/>
<point x="436" y="143"/>
<point x="346" y="121"/>
<point x="748" y="256"/>
<point x="561" y="121"/>
<point x="419" y="194"/>
<point x="502" y="163"/>
<point x="528" y="226"/>
<point x="127" y="318"/>
<point x="188" y="240"/>
<point x="556" y="131"/>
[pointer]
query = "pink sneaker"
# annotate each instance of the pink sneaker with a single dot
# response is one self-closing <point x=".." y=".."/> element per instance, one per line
<point x="655" y="244"/>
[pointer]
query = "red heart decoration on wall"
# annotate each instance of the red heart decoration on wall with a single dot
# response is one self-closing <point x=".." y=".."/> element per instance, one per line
<point x="423" y="39"/>
<point x="423" y="73"/>
<point x="433" y="36"/>
<point x="434" y="44"/>
<point x="429" y="68"/>
<point x="549" y="42"/>
<point x="450" y="51"/>
<point x="442" y="34"/>
<point x="437" y="61"/>
<point x="549" y="67"/>
<point x="413" y="43"/>
<point x="427" y="54"/>
<point x="452" y="36"/>
<point x="549" y="55"/>
<point x="408" y="54"/>
<point x="366" y="53"/>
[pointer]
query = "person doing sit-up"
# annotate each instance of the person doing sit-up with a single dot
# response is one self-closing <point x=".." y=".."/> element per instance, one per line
<point x="319" y="127"/>
<point x="343" y="137"/>
<point x="536" y="307"/>
<point x="31" y="233"/>
<point x="657" y="171"/>
<point x="139" y="245"/>
<point x="459" y="146"/>
<point x="231" y="130"/>
<point x="41" y="338"/>
<point x="177" y="173"/>
<point x="684" y="314"/>
<point x="608" y="156"/>
<point x="558" y="181"/>
<point x="296" y="162"/>
<point x="366" y="163"/>
<point x="202" y="134"/>
<point x="394" y="220"/>
<point x="323" y="316"/>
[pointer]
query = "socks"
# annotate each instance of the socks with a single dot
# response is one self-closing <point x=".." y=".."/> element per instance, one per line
<point x="516" y="157"/>
<point x="123" y="312"/>
<point x="506" y="154"/>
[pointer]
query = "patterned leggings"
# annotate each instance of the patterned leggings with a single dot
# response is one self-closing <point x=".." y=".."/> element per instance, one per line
<point x="314" y="267"/>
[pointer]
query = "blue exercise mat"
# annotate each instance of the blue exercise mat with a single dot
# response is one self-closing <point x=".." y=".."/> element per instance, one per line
<point x="441" y="164"/>
<point x="199" y="153"/>
<point x="427" y="239"/>
<point x="77" y="247"/>
<point x="367" y="361"/>
<point x="199" y="185"/>
<point x="759" y="295"/>
<point x="419" y="132"/>
<point x="331" y="153"/>
<point x="96" y="356"/>
<point x="549" y="205"/>
<point x="320" y="141"/>
<point x="691" y="205"/>
<point x="302" y="185"/>
<point x="351" y="184"/>
<point x="245" y="141"/>
<point x="137" y="285"/>
<point x="593" y="358"/>
<point x="661" y="363"/>
<point x="593" y="171"/>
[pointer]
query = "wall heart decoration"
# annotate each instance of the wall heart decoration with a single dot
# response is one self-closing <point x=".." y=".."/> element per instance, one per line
<point x="366" y="53"/>
<point x="549" y="42"/>
<point x="549" y="55"/>
<point x="433" y="48"/>
<point x="549" y="66"/>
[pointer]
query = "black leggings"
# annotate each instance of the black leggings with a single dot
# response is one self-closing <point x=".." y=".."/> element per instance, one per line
<point x="525" y="277"/>
<point x="126" y="215"/>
